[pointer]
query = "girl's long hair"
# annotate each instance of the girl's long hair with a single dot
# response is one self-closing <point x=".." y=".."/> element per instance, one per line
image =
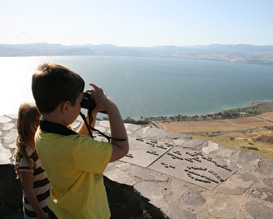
<point x="27" y="123"/>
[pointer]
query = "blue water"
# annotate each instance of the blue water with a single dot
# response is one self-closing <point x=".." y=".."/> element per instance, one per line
<point x="149" y="86"/>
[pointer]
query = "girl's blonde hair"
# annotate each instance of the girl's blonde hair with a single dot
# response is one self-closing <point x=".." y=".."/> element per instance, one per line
<point x="27" y="123"/>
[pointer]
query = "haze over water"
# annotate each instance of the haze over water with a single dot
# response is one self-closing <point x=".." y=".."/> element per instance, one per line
<point x="148" y="86"/>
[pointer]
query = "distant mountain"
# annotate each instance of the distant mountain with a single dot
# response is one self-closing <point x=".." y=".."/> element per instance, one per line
<point x="239" y="48"/>
<point x="232" y="53"/>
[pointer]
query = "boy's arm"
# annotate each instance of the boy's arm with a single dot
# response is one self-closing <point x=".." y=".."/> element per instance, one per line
<point x="118" y="131"/>
<point x="27" y="182"/>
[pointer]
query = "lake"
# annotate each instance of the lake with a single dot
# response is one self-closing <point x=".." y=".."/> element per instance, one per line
<point x="148" y="86"/>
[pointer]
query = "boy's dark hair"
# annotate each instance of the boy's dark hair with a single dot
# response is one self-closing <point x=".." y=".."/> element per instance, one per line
<point x="53" y="84"/>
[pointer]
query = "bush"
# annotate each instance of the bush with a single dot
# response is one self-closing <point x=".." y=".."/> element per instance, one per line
<point x="265" y="138"/>
<point x="250" y="148"/>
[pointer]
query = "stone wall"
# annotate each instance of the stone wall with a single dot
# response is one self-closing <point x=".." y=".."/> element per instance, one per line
<point x="10" y="193"/>
<point x="124" y="200"/>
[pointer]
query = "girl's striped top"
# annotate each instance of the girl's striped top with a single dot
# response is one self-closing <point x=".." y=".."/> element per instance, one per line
<point x="41" y="184"/>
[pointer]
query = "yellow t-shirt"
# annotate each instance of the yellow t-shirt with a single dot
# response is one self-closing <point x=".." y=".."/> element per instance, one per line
<point x="74" y="165"/>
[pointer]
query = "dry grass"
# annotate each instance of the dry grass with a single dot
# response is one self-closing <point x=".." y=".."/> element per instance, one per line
<point x="243" y="133"/>
<point x="265" y="138"/>
<point x="244" y="141"/>
<point x="216" y="125"/>
<point x="268" y="116"/>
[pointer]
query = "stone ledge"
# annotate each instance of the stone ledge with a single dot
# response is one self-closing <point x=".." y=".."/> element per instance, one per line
<point x="151" y="193"/>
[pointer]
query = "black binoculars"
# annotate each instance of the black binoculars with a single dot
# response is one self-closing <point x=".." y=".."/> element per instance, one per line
<point x="88" y="101"/>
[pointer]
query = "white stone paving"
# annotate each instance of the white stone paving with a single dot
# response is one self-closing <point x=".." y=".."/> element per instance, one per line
<point x="245" y="191"/>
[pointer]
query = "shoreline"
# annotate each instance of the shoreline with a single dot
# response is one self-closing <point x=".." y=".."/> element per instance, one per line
<point x="192" y="117"/>
<point x="255" y="108"/>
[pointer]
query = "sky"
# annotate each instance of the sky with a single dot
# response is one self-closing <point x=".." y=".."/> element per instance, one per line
<point x="137" y="22"/>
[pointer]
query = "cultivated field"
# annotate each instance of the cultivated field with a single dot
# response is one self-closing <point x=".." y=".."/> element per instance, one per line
<point x="267" y="116"/>
<point x="219" y="125"/>
<point x="242" y="133"/>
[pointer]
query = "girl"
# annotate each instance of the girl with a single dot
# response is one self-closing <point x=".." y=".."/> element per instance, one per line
<point x="28" y="166"/>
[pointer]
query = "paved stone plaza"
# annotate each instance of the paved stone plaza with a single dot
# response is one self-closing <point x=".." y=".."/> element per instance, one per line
<point x="184" y="177"/>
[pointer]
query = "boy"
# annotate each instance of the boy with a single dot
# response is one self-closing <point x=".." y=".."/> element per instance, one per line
<point x="74" y="162"/>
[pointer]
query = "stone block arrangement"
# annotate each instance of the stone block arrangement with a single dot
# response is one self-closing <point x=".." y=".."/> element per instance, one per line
<point x="165" y="175"/>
